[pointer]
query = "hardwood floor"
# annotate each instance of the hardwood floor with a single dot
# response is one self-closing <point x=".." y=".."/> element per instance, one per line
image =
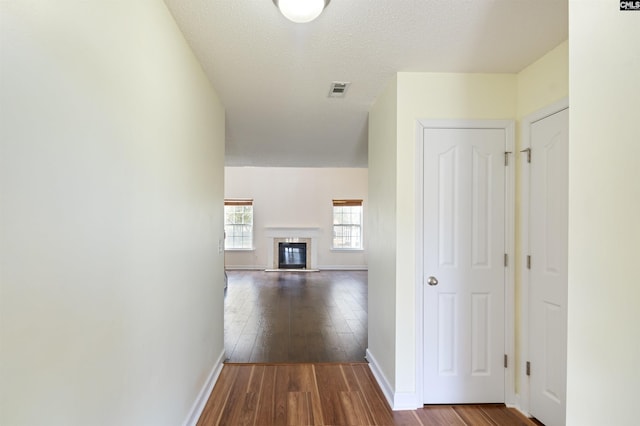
<point x="327" y="394"/>
<point x="282" y="322"/>
<point x="296" y="316"/>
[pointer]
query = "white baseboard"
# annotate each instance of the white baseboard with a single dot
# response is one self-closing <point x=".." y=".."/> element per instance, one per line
<point x="406" y="401"/>
<point x="203" y="395"/>
<point x="384" y="384"/>
<point x="343" y="268"/>
<point x="322" y="268"/>
<point x="513" y="401"/>
<point x="244" y="267"/>
<point x="516" y="403"/>
<point x="520" y="410"/>
<point x="397" y="400"/>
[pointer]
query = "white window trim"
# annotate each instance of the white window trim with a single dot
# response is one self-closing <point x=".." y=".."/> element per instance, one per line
<point x="349" y="249"/>
<point x="247" y="202"/>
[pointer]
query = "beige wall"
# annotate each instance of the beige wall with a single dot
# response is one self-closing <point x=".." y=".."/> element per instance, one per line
<point x="604" y="211"/>
<point x="543" y="83"/>
<point x="299" y="198"/>
<point x="111" y="181"/>
<point x="414" y="96"/>
<point x="432" y="96"/>
<point x="383" y="127"/>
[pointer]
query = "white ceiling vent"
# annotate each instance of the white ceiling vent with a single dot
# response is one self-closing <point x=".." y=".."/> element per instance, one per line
<point x="339" y="89"/>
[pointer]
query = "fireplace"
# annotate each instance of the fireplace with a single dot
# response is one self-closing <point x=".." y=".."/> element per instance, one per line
<point x="292" y="255"/>
<point x="296" y="236"/>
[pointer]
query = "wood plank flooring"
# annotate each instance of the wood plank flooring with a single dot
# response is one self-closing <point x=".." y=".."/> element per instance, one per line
<point x="327" y="394"/>
<point x="291" y="317"/>
<point x="291" y="326"/>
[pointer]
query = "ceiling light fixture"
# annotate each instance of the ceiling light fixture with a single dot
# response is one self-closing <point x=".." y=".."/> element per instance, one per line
<point x="301" y="11"/>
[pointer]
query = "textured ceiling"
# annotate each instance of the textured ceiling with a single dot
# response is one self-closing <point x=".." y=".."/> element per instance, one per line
<point x="273" y="76"/>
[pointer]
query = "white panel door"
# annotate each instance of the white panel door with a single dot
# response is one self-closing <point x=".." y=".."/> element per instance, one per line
<point x="548" y="231"/>
<point x="464" y="247"/>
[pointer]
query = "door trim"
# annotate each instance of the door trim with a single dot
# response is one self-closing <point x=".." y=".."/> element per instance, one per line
<point x="523" y="228"/>
<point x="509" y="127"/>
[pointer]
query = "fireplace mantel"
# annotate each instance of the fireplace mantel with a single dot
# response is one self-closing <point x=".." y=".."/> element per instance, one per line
<point x="288" y="232"/>
<point x="292" y="234"/>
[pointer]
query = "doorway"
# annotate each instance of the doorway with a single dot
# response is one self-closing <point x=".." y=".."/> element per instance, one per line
<point x="295" y="317"/>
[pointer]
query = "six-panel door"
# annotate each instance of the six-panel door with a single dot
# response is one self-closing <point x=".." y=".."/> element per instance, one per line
<point x="464" y="248"/>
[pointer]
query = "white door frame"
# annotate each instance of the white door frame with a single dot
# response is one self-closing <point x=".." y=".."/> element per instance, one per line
<point x="509" y="300"/>
<point x="523" y="228"/>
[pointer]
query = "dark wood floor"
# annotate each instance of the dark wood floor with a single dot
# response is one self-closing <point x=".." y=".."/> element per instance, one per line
<point x="327" y="394"/>
<point x="289" y="317"/>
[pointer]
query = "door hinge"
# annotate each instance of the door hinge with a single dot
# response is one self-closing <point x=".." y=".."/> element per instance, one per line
<point x="529" y="262"/>
<point x="506" y="157"/>
<point x="528" y="151"/>
<point x="505" y="361"/>
<point x="528" y="369"/>
<point x="506" y="260"/>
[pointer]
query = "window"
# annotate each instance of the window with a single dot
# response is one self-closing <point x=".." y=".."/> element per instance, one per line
<point x="347" y="224"/>
<point x="238" y="224"/>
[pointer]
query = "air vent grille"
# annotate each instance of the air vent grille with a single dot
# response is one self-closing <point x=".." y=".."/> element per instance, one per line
<point x="339" y="89"/>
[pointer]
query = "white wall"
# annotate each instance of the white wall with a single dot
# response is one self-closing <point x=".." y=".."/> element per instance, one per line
<point x="111" y="184"/>
<point x="299" y="198"/>
<point x="604" y="211"/>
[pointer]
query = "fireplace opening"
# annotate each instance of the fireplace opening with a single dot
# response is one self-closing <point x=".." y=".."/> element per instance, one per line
<point x="292" y="255"/>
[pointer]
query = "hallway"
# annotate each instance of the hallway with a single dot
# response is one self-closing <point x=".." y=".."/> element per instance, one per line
<point x="296" y="317"/>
